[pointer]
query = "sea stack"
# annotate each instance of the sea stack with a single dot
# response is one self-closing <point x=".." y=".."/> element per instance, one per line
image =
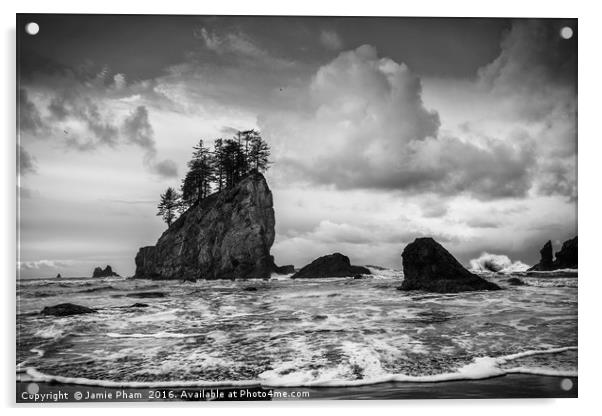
<point x="430" y="267"/>
<point x="566" y="258"/>
<point x="333" y="265"/>
<point x="227" y="235"/>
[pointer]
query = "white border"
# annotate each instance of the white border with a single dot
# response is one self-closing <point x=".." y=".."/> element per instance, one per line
<point x="590" y="152"/>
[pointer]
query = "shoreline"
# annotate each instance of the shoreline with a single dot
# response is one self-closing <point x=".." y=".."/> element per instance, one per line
<point x="511" y="386"/>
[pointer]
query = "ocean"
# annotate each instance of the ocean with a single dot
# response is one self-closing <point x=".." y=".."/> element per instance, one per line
<point x="281" y="332"/>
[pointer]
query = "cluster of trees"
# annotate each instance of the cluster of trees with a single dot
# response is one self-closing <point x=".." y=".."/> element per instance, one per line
<point x="212" y="170"/>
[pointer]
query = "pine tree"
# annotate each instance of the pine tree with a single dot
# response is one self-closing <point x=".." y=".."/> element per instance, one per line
<point x="169" y="205"/>
<point x="259" y="154"/>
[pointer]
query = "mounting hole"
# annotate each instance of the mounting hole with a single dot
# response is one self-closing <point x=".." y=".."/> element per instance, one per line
<point x="566" y="32"/>
<point x="566" y="384"/>
<point x="32" y="28"/>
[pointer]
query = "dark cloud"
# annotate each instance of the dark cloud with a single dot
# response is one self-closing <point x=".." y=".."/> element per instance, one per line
<point x="26" y="163"/>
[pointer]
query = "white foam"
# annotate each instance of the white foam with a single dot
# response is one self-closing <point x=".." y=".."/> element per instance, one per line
<point x="480" y="368"/>
<point x="500" y="263"/>
<point x="51" y="332"/>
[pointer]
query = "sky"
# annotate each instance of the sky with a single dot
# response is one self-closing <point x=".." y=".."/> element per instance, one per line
<point x="382" y="130"/>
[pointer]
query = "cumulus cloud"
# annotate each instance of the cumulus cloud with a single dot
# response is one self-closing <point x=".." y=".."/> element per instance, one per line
<point x="365" y="126"/>
<point x="331" y="40"/>
<point x="26" y="163"/>
<point x="487" y="262"/>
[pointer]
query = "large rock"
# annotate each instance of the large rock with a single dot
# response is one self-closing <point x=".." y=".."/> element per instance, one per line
<point x="566" y="258"/>
<point x="66" y="309"/>
<point x="227" y="235"/>
<point x="333" y="265"/>
<point x="107" y="272"/>
<point x="428" y="266"/>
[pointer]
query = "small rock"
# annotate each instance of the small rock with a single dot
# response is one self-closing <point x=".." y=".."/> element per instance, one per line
<point x="515" y="281"/>
<point x="250" y="289"/>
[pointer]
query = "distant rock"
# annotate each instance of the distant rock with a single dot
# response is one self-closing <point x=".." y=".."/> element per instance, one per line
<point x="566" y="258"/>
<point x="430" y="267"/>
<point x="139" y="305"/>
<point x="515" y="281"/>
<point x="146" y="295"/>
<point x="58" y="276"/>
<point x="66" y="309"/>
<point x="332" y="265"/>
<point x="288" y="269"/>
<point x="227" y="235"/>
<point x="107" y="272"/>
<point x="250" y="289"/>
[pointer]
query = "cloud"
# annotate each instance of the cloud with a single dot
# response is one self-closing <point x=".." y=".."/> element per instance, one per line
<point x="365" y="126"/>
<point x="29" y="117"/>
<point x="331" y="40"/>
<point x="137" y="130"/>
<point x="487" y="262"/>
<point x="26" y="163"/>
<point x="533" y="81"/>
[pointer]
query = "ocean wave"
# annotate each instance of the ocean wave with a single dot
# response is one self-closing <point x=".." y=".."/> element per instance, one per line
<point x="479" y="368"/>
<point x="497" y="263"/>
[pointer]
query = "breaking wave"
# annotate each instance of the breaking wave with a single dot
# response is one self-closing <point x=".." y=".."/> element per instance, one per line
<point x="497" y="263"/>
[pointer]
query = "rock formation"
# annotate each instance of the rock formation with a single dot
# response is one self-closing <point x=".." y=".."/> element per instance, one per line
<point x="66" y="309"/>
<point x="546" y="261"/>
<point x="566" y="258"/>
<point x="333" y="265"/>
<point x="107" y="272"/>
<point x="428" y="266"/>
<point x="227" y="235"/>
<point x="58" y="276"/>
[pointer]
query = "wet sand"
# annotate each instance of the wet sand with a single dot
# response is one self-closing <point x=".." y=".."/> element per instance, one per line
<point x="512" y="386"/>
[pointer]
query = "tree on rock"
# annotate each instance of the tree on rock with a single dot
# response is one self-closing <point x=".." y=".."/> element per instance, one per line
<point x="169" y="206"/>
<point x="200" y="176"/>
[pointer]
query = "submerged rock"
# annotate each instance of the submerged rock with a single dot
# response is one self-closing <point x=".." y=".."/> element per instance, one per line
<point x="566" y="258"/>
<point x="515" y="281"/>
<point x="332" y="265"/>
<point x="146" y="295"/>
<point x="107" y="272"/>
<point x="428" y="266"/>
<point x="139" y="305"/>
<point x="66" y="309"/>
<point x="227" y="235"/>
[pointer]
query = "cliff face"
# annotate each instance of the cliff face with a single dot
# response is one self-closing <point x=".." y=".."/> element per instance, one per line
<point x="228" y="235"/>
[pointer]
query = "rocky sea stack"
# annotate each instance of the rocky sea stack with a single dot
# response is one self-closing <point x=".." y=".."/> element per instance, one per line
<point x="566" y="258"/>
<point x="333" y="265"/>
<point x="107" y="272"/>
<point x="227" y="235"/>
<point x="430" y="267"/>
